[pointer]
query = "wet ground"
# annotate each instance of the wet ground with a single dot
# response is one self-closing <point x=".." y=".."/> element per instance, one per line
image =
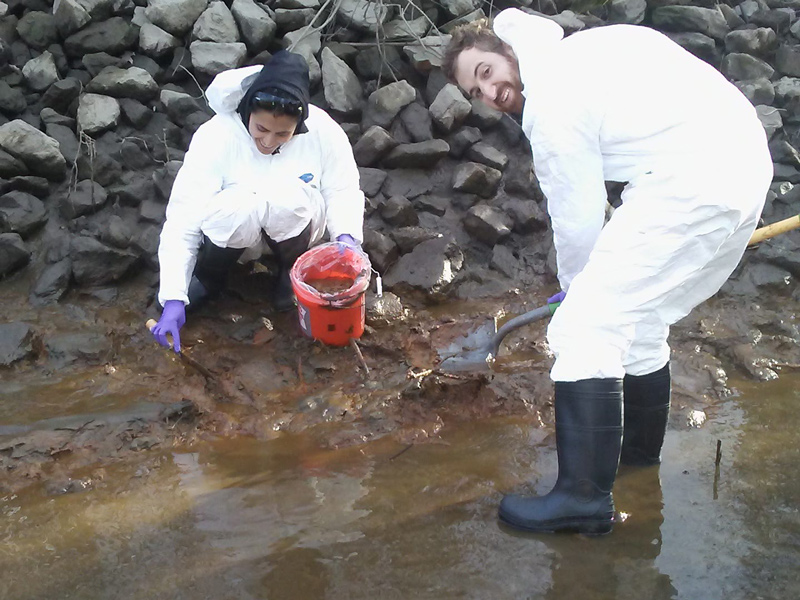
<point x="281" y="468"/>
<point x="285" y="518"/>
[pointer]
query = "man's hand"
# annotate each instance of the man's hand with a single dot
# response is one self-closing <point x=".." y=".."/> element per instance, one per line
<point x="173" y="317"/>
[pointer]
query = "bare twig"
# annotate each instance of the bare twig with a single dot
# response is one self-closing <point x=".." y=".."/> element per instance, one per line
<point x="360" y="356"/>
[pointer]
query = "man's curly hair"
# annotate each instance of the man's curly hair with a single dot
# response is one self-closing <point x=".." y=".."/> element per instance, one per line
<point x="477" y="34"/>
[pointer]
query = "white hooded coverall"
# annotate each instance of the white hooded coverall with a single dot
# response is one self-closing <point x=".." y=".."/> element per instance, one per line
<point x="229" y="191"/>
<point x="625" y="103"/>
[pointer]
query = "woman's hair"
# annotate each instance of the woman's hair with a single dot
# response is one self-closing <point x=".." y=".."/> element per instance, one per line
<point x="477" y="34"/>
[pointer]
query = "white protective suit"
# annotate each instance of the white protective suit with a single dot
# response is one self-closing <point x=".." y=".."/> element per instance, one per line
<point x="229" y="191"/>
<point x="625" y="103"/>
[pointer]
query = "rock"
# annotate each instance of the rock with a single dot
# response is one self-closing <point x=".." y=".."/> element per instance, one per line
<point x="740" y="67"/>
<point x="67" y="348"/>
<point x="371" y="180"/>
<point x="152" y="211"/>
<point x="179" y="106"/>
<point x="97" y="113"/>
<point x="450" y="108"/>
<point x="363" y="15"/>
<point x="431" y="268"/>
<point x="436" y="205"/>
<point x="21" y="213"/>
<point x="372" y="146"/>
<point x="504" y="261"/>
<point x="94" y="263"/>
<point x="626" y="11"/>
<point x="38" y="29"/>
<point x="481" y="116"/>
<point x="16" y="339"/>
<point x="758" y="42"/>
<point x="758" y="91"/>
<point x="37" y="186"/>
<point x="117" y="232"/>
<point x="156" y="42"/>
<point x="132" y="82"/>
<point x="384" y="104"/>
<point x="87" y="197"/>
<point x="257" y="28"/>
<point x="462" y="139"/>
<point x="459" y="8"/>
<point x="787" y="60"/>
<point x="164" y="178"/>
<point x="487" y="224"/>
<point x="113" y="36"/>
<point x="770" y="118"/>
<point x="51" y="117"/>
<point x="12" y="100"/>
<point x="211" y="58"/>
<point x="343" y="91"/>
<point x="61" y="94"/>
<point x="381" y="249"/>
<point x="417" y="122"/>
<point x="408" y="238"/>
<point x="426" y="54"/>
<point x="384" y="64"/>
<point x="10" y="166"/>
<point x="97" y="61"/>
<point x="404" y="29"/>
<point x="52" y="283"/>
<point x="70" y="16"/>
<point x="292" y="19"/>
<point x="40" y="72"/>
<point x="409" y="183"/>
<point x="384" y="310"/>
<point x="175" y="16"/>
<point x="709" y="21"/>
<point x="702" y="46"/>
<point x="417" y="155"/>
<point x="39" y="152"/>
<point x="135" y="113"/>
<point x="783" y="152"/>
<point x="778" y="20"/>
<point x="487" y="155"/>
<point x="216" y="24"/>
<point x="526" y="215"/>
<point x="398" y="211"/>
<point x="474" y="178"/>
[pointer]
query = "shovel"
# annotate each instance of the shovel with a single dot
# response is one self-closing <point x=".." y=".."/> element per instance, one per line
<point x="482" y="358"/>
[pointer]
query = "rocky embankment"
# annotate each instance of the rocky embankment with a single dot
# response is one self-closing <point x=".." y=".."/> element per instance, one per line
<point x="99" y="99"/>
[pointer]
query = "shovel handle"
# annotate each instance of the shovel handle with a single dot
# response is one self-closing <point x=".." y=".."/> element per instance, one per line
<point x="769" y="231"/>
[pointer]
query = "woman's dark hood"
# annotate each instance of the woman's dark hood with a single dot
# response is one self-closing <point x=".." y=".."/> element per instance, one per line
<point x="287" y="73"/>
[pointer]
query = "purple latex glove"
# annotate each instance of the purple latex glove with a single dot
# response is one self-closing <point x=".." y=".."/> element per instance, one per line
<point x="559" y="297"/>
<point x="173" y="317"/>
<point x="348" y="239"/>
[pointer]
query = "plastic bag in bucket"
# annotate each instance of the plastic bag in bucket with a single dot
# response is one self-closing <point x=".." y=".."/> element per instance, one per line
<point x="329" y="281"/>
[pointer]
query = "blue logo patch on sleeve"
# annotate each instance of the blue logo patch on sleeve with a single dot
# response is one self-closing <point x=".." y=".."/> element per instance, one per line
<point x="307" y="177"/>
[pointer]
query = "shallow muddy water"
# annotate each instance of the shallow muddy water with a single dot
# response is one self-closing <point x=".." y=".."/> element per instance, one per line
<point x="243" y="518"/>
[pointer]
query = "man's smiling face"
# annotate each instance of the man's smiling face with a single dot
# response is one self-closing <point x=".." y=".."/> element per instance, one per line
<point x="492" y="78"/>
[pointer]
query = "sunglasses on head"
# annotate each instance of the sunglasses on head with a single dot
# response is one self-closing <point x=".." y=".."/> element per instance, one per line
<point x="271" y="102"/>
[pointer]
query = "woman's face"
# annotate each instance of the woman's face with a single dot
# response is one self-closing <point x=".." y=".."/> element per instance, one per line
<point x="270" y="130"/>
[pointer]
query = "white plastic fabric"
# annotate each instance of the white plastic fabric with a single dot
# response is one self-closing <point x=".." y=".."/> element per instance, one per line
<point x="230" y="191"/>
<point x="624" y="103"/>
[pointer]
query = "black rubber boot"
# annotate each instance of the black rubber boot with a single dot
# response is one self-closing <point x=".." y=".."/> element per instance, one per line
<point x="211" y="272"/>
<point x="646" y="414"/>
<point x="287" y="252"/>
<point x="588" y="440"/>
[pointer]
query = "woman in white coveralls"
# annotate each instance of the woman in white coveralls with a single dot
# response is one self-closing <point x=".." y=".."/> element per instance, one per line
<point x="618" y="103"/>
<point x="268" y="163"/>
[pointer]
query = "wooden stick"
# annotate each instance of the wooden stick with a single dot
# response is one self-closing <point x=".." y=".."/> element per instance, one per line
<point x="360" y="356"/>
<point x="769" y="231"/>
<point x="186" y="359"/>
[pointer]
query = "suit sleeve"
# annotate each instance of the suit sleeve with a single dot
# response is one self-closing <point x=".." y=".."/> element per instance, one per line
<point x="199" y="179"/>
<point x="340" y="185"/>
<point x="569" y="166"/>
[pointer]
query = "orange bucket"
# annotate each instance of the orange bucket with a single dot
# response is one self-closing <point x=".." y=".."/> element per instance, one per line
<point x="330" y="281"/>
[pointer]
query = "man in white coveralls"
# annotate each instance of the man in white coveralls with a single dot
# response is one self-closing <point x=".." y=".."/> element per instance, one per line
<point x="618" y="103"/>
<point x="267" y="164"/>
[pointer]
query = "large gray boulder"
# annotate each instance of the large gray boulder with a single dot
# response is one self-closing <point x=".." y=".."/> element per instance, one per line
<point x="85" y="198"/>
<point x="155" y="42"/>
<point x="256" y="26"/>
<point x="11" y="166"/>
<point x="487" y="224"/>
<point x="97" y="113"/>
<point x="12" y="100"/>
<point x="475" y="178"/>
<point x="430" y="268"/>
<point x="758" y="42"/>
<point x="417" y="155"/>
<point x="363" y="14"/>
<point x="16" y="339"/>
<point x="40" y="72"/>
<point x="450" y="108"/>
<point x="21" y="213"/>
<point x="216" y="24"/>
<point x="94" y="263"/>
<point x="38" y="29"/>
<point x="175" y="16"/>
<point x="709" y="21"/>
<point x="385" y="103"/>
<point x="342" y="88"/>
<point x="113" y="36"/>
<point x="626" y="11"/>
<point x="742" y="67"/>
<point x="373" y="145"/>
<point x="39" y="152"/>
<point x="132" y="82"/>
<point x="70" y="16"/>
<point x="211" y="58"/>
